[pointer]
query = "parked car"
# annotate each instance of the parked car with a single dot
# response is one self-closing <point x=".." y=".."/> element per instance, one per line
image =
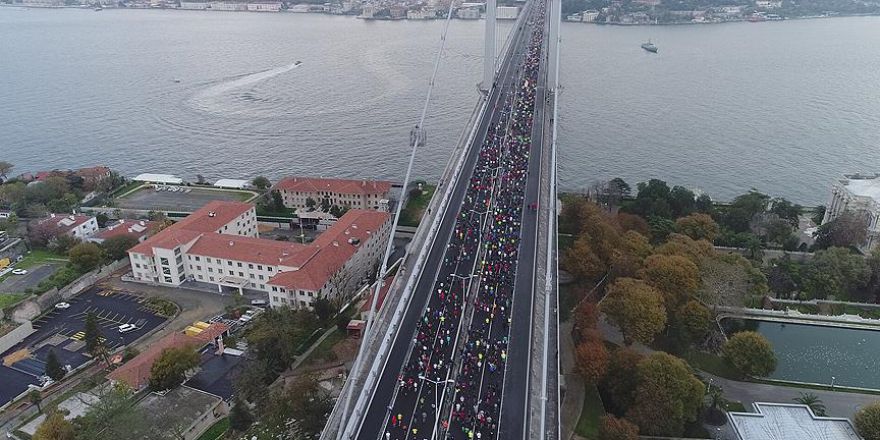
<point x="125" y="328"/>
<point x="62" y="305"/>
<point x="245" y="318"/>
<point x="19" y="272"/>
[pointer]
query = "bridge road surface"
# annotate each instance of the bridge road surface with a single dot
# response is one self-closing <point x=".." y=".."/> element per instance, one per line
<point x="376" y="418"/>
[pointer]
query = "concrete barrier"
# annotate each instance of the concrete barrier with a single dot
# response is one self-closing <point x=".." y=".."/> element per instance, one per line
<point x="15" y="336"/>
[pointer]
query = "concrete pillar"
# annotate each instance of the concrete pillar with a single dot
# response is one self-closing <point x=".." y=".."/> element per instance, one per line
<point x="219" y="288"/>
<point x="240" y="292"/>
<point x="489" y="47"/>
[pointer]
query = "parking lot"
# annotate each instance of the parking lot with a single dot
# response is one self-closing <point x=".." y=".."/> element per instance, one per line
<point x="180" y="199"/>
<point x="62" y="331"/>
<point x="20" y="283"/>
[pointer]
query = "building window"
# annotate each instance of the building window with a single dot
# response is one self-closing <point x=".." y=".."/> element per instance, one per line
<point x="163" y="261"/>
<point x="198" y="258"/>
<point x="260" y="267"/>
<point x="239" y="264"/>
<point x="250" y="266"/>
<point x="231" y="272"/>
<point x="208" y="260"/>
<point x="270" y="268"/>
<point x="229" y="263"/>
<point x="168" y="280"/>
<point x="261" y="277"/>
<point x="211" y="269"/>
<point x="274" y="289"/>
<point x="212" y="278"/>
<point x="201" y="278"/>
<point x="241" y="274"/>
<point x="198" y="267"/>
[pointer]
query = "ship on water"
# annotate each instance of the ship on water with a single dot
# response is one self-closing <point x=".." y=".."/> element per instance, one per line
<point x="649" y="46"/>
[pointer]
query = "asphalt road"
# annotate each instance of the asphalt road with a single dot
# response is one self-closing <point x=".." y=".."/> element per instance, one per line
<point x="385" y="394"/>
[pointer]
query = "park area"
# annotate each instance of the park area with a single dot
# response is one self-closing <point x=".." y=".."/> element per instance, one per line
<point x="177" y="198"/>
<point x="416" y="202"/>
<point x="40" y="265"/>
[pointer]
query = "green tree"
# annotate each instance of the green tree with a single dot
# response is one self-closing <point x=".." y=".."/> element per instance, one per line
<point x="55" y="427"/>
<point x="790" y="212"/>
<point x="681" y="200"/>
<point x="169" y="369"/>
<point x="661" y="228"/>
<point x="277" y="201"/>
<point x="116" y="248"/>
<point x="276" y="333"/>
<point x="240" y="417"/>
<point x="310" y="203"/>
<point x="261" y="182"/>
<point x="36" y="397"/>
<point x="112" y="416"/>
<point x="675" y="276"/>
<point x="818" y="214"/>
<point x="5" y="168"/>
<point x="750" y="353"/>
<point x="612" y="428"/>
<point x="835" y="272"/>
<point x="692" y="322"/>
<point x="698" y="227"/>
<point x="704" y="204"/>
<point x="636" y="309"/>
<point x="847" y="230"/>
<point x="813" y="401"/>
<point x="92" y="334"/>
<point x="86" y="256"/>
<point x="323" y="308"/>
<point x="668" y="396"/>
<point x="620" y="379"/>
<point x="867" y="421"/>
<point x="54" y="369"/>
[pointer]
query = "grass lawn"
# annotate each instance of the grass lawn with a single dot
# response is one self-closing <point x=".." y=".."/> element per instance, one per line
<point x="40" y="256"/>
<point x="714" y="364"/>
<point x="8" y="299"/>
<point x="130" y="186"/>
<point x="588" y="424"/>
<point x="412" y="212"/>
<point x="216" y="430"/>
<point x="324" y="351"/>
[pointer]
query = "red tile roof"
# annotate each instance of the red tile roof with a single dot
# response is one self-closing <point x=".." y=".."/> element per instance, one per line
<point x="208" y="219"/>
<point x="96" y="172"/>
<point x="65" y="222"/>
<point x="212" y="331"/>
<point x="331" y="250"/>
<point x="136" y="372"/>
<point x="136" y="228"/>
<point x="240" y="248"/>
<point x="339" y="186"/>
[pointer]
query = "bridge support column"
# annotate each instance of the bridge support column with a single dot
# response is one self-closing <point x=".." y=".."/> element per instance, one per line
<point x="489" y="47"/>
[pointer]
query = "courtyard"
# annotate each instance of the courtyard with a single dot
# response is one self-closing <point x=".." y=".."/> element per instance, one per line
<point x="177" y="198"/>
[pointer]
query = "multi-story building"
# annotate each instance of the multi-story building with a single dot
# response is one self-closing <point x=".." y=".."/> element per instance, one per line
<point x="468" y="13"/>
<point x="860" y="195"/>
<point x="194" y="6"/>
<point x="263" y="7"/>
<point x="507" y="12"/>
<point x="219" y="245"/>
<point x="589" y="16"/>
<point x="75" y="225"/>
<point x="354" y="194"/>
<point x="227" y="6"/>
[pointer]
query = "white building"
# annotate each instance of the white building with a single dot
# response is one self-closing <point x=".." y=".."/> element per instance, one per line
<point x="468" y="13"/>
<point x="785" y="421"/>
<point x="589" y="16"/>
<point x="218" y="244"/>
<point x="857" y="194"/>
<point x="261" y="7"/>
<point x="194" y="6"/>
<point x="227" y="6"/>
<point x="507" y="12"/>
<point x="75" y="225"/>
<point x="167" y="179"/>
<point x="354" y="194"/>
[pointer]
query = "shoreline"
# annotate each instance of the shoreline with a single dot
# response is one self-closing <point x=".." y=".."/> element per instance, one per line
<point x="683" y="23"/>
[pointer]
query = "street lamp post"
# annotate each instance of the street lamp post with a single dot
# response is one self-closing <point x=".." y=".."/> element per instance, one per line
<point x="832" y="382"/>
<point x="437" y="409"/>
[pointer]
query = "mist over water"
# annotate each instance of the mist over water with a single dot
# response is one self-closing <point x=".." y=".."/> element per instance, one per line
<point x="781" y="107"/>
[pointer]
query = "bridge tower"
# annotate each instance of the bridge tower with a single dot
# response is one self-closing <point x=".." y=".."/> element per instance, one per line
<point x="489" y="47"/>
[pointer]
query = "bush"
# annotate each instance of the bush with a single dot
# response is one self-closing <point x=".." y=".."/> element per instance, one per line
<point x="867" y="421"/>
<point x="750" y="353"/>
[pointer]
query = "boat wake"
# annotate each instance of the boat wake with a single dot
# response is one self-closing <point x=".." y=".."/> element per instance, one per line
<point x="225" y="87"/>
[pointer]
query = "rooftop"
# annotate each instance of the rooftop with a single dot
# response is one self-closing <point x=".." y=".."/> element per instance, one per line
<point x="217" y="374"/>
<point x="782" y="421"/>
<point x="863" y="186"/>
<point x="339" y="186"/>
<point x="136" y="372"/>
<point x="231" y="183"/>
<point x="137" y="228"/>
<point x="66" y="222"/>
<point x="158" y="178"/>
<point x="208" y="218"/>
<point x="177" y="409"/>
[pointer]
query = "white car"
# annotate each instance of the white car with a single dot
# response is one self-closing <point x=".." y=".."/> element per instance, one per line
<point x="62" y="306"/>
<point x="19" y="272"/>
<point x="125" y="328"/>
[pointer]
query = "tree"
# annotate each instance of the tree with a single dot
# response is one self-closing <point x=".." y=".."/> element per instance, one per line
<point x="681" y="200"/>
<point x="698" y="226"/>
<point x="277" y="201"/>
<point x="675" y="276"/>
<point x="55" y="427"/>
<point x="323" y="309"/>
<point x="310" y="203"/>
<point x="169" y="369"/>
<point x="636" y="309"/>
<point x="867" y="421"/>
<point x="591" y="357"/>
<point x="848" y="229"/>
<point x="5" y="168"/>
<point x="661" y="227"/>
<point x="692" y="322"/>
<point x="632" y="222"/>
<point x="240" y="417"/>
<point x="200" y="179"/>
<point x="276" y="333"/>
<point x="116" y="248"/>
<point x="818" y="214"/>
<point x="92" y="334"/>
<point x="835" y="272"/>
<point x="36" y="397"/>
<point x="582" y="262"/>
<point x="62" y="244"/>
<point x="813" y="401"/>
<point x="325" y="204"/>
<point x="612" y="428"/>
<point x="629" y="257"/>
<point x="54" y="369"/>
<point x="750" y="353"/>
<point x="86" y="256"/>
<point x="102" y="219"/>
<point x="739" y="214"/>
<point x="40" y="232"/>
<point x="586" y="317"/>
<point x="111" y="416"/>
<point x="790" y="212"/>
<point x="667" y="396"/>
<point x="261" y="182"/>
<point x="695" y="250"/>
<point x="620" y="378"/>
<point x="704" y="204"/>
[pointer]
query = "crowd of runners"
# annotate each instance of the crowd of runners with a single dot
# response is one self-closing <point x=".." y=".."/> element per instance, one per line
<point x="473" y="291"/>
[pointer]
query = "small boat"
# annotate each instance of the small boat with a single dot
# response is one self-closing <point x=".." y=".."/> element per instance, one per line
<point x="98" y="8"/>
<point x="176" y="80"/>
<point x="297" y="63"/>
<point x="649" y="46"/>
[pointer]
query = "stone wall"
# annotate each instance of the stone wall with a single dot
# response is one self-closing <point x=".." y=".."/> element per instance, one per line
<point x="15" y="336"/>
